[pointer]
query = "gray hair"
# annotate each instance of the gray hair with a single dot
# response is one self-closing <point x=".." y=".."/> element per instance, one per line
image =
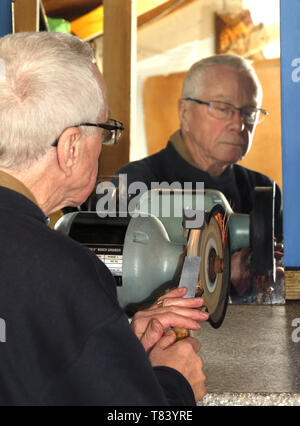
<point x="47" y="84"/>
<point x="193" y="83"/>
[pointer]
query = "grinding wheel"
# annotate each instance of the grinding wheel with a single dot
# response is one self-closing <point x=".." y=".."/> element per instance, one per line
<point x="215" y="267"/>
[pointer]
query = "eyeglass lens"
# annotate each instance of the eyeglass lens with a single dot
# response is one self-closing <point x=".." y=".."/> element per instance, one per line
<point x="224" y="111"/>
<point x="111" y="136"/>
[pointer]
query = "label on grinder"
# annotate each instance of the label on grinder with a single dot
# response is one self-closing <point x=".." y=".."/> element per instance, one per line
<point x="111" y="255"/>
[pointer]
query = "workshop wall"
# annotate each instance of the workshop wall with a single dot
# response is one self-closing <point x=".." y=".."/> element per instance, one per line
<point x="265" y="155"/>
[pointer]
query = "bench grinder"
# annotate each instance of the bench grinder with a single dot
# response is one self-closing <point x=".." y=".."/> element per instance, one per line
<point x="145" y="252"/>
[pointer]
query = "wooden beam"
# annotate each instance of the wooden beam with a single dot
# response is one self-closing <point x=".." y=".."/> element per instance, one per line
<point x="26" y="15"/>
<point x="161" y="11"/>
<point x="119" y="57"/>
<point x="292" y="285"/>
<point x="90" y="25"/>
<point x="69" y="9"/>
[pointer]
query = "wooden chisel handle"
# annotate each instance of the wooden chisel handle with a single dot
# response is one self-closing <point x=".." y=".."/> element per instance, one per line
<point x="181" y="333"/>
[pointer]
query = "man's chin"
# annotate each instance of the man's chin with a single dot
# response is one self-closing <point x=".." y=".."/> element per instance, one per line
<point x="233" y="154"/>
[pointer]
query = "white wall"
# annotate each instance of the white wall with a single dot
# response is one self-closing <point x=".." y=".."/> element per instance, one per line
<point x="175" y="60"/>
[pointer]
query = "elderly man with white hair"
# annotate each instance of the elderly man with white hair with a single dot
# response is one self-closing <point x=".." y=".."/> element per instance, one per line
<point x="219" y="109"/>
<point x="67" y="339"/>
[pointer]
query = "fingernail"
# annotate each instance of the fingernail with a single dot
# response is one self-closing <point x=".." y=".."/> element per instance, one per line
<point x="170" y="333"/>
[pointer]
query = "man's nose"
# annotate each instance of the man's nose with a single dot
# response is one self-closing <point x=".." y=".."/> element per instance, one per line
<point x="237" y="121"/>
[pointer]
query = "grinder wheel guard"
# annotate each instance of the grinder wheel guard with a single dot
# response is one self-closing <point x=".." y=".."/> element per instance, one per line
<point x="262" y="232"/>
<point x="215" y="265"/>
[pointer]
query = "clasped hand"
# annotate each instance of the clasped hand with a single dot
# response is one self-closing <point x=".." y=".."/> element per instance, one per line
<point x="150" y="326"/>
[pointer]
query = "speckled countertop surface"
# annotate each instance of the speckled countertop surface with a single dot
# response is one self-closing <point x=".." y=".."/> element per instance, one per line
<point x="253" y="358"/>
<point x="251" y="399"/>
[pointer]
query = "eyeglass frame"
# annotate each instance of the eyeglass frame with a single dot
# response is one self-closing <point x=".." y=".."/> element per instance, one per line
<point x="118" y="126"/>
<point x="198" y="101"/>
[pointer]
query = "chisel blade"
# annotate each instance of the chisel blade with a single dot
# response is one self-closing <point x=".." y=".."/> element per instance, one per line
<point x="190" y="274"/>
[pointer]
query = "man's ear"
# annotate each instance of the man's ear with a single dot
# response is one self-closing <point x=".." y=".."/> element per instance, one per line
<point x="183" y="110"/>
<point x="68" y="149"/>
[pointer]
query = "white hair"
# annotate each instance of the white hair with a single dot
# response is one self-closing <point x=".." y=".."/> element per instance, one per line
<point x="48" y="84"/>
<point x="193" y="83"/>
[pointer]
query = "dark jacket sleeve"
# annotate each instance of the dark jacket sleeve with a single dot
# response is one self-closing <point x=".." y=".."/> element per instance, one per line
<point x="176" y="388"/>
<point x="113" y="369"/>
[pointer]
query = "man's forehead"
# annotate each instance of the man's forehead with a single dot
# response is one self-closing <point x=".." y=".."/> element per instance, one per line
<point x="226" y="75"/>
<point x="222" y="81"/>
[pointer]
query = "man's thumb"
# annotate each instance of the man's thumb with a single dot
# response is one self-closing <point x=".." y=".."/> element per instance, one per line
<point x="167" y="340"/>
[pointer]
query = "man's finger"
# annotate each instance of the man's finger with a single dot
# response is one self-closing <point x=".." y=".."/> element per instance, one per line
<point x="194" y="342"/>
<point x="152" y="334"/>
<point x="167" y="340"/>
<point x="176" y="292"/>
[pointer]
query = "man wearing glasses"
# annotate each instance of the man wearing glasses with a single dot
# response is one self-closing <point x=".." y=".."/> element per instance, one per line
<point x="218" y="111"/>
<point x="67" y="340"/>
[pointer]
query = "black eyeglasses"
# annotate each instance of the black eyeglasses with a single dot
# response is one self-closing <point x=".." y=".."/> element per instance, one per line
<point x="112" y="131"/>
<point x="224" y="111"/>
